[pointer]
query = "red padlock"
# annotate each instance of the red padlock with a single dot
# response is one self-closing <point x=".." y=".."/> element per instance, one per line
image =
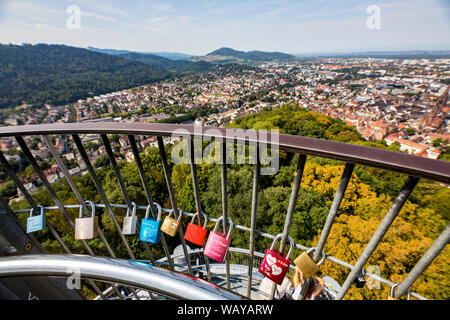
<point x="196" y="233"/>
<point x="275" y="264"/>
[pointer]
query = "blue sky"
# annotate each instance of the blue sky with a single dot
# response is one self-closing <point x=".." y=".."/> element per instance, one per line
<point x="200" y="26"/>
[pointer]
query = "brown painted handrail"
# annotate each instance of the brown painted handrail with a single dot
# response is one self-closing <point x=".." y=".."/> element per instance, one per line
<point x="437" y="170"/>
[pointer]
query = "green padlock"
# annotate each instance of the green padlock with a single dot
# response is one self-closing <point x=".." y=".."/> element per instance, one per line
<point x="38" y="222"/>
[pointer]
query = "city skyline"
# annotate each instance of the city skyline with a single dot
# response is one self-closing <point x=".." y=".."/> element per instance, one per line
<point x="294" y="27"/>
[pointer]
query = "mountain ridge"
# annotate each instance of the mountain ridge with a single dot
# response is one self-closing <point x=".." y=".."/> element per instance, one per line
<point x="163" y="54"/>
<point x="226" y="55"/>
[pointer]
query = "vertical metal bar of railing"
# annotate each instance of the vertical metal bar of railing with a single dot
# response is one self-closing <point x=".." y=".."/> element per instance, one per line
<point x="118" y="292"/>
<point x="167" y="175"/>
<point x="75" y="189"/>
<point x="290" y="212"/>
<point x="148" y="194"/>
<point x="198" y="205"/>
<point x="101" y="192"/>
<point x="119" y="178"/>
<point x="31" y="201"/>
<point x="223" y="172"/>
<point x="338" y="196"/>
<point x="256" y="174"/>
<point x="133" y="290"/>
<point x="43" y="178"/>
<point x="395" y="208"/>
<point x="432" y="252"/>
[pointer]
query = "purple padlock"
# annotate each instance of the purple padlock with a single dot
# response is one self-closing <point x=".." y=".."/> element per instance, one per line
<point x="217" y="244"/>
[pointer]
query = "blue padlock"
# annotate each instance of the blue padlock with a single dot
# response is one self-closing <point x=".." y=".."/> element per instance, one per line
<point x="38" y="222"/>
<point x="150" y="232"/>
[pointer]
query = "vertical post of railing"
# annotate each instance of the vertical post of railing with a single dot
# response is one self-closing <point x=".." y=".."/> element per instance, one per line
<point x="339" y="195"/>
<point x="162" y="153"/>
<point x="256" y="173"/>
<point x="101" y="192"/>
<point x="148" y="194"/>
<point x="118" y="292"/>
<point x="116" y="170"/>
<point x="292" y="202"/>
<point x="395" y="208"/>
<point x="75" y="190"/>
<point x="432" y="252"/>
<point x="197" y="197"/>
<point x="58" y="202"/>
<point x="133" y="290"/>
<point x="223" y="154"/>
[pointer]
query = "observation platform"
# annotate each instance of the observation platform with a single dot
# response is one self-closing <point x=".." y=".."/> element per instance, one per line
<point x="27" y="270"/>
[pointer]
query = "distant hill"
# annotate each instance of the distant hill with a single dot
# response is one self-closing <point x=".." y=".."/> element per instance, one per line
<point x="227" y="55"/>
<point x="113" y="52"/>
<point x="57" y="74"/>
<point x="154" y="60"/>
<point x="173" y="55"/>
<point x="178" y="66"/>
<point x="167" y="55"/>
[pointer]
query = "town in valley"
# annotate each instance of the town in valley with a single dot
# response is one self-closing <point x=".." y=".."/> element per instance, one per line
<point x="402" y="101"/>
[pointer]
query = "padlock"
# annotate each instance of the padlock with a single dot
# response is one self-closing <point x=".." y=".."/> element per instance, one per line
<point x="170" y="225"/>
<point x="130" y="221"/>
<point x="360" y="281"/>
<point x="307" y="265"/>
<point x="218" y="243"/>
<point x="38" y="222"/>
<point x="391" y="296"/>
<point x="150" y="232"/>
<point x="196" y="233"/>
<point x="86" y="228"/>
<point x="275" y="264"/>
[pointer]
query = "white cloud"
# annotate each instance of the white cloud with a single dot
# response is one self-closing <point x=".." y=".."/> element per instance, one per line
<point x="97" y="16"/>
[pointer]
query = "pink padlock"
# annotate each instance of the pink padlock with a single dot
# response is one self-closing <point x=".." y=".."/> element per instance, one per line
<point x="275" y="264"/>
<point x="217" y="244"/>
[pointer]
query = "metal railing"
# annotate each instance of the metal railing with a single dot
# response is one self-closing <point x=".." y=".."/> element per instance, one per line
<point x="415" y="167"/>
<point x="127" y="273"/>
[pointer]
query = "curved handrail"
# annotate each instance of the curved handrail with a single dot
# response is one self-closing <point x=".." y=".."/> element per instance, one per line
<point x="437" y="170"/>
<point x="140" y="275"/>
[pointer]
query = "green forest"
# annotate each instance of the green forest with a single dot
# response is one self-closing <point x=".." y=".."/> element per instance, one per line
<point x="57" y="74"/>
<point x="368" y="197"/>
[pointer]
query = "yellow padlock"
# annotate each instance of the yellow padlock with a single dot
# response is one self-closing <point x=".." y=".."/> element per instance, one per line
<point x="307" y="265"/>
<point x="391" y="297"/>
<point x="170" y="225"/>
